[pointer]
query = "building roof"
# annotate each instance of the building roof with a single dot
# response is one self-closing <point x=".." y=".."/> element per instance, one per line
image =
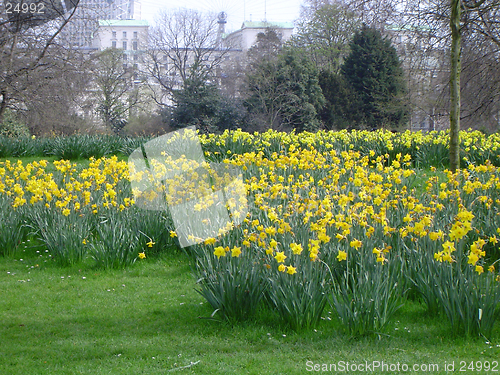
<point x="407" y="28"/>
<point x="123" y="23"/>
<point x="266" y="24"/>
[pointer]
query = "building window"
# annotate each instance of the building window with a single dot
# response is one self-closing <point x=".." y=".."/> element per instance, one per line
<point x="113" y="44"/>
<point x="124" y="34"/>
<point x="135" y="34"/>
<point x="124" y="57"/>
<point x="136" y="57"/>
<point x="114" y="34"/>
<point x="134" y="45"/>
<point x="125" y="45"/>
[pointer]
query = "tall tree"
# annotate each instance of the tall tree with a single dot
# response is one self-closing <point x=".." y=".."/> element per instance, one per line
<point x="28" y="48"/>
<point x="478" y="16"/>
<point x="267" y="46"/>
<point x="450" y="23"/>
<point x="116" y="93"/>
<point x="341" y="109"/>
<point x="325" y="32"/>
<point x="183" y="46"/>
<point x="285" y="92"/>
<point x="455" y="67"/>
<point x="374" y="71"/>
<point x="372" y="12"/>
<point x="202" y="104"/>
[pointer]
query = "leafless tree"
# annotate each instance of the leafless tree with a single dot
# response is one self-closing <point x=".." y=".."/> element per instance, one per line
<point x="29" y="50"/>
<point x="462" y="37"/>
<point x="374" y="13"/>
<point x="480" y="85"/>
<point x="184" y="45"/>
<point x="325" y="31"/>
<point x="57" y="95"/>
<point x="116" y="93"/>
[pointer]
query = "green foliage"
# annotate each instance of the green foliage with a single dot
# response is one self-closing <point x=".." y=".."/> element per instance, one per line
<point x="83" y="146"/>
<point x="299" y="299"/>
<point x="368" y="294"/>
<point x="267" y="46"/>
<point x="374" y="71"/>
<point x="153" y="226"/>
<point x="233" y="286"/>
<point x="201" y="103"/>
<point x="69" y="147"/>
<point x="12" y="224"/>
<point x="286" y="91"/>
<point x="325" y="35"/>
<point x="468" y="300"/>
<point x="62" y="235"/>
<point x="115" y="245"/>
<point x="21" y="147"/>
<point x="12" y="127"/>
<point x="341" y="102"/>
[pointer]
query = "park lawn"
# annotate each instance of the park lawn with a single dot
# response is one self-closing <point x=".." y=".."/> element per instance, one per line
<point x="148" y="319"/>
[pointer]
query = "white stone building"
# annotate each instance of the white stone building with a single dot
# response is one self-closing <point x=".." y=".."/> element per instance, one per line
<point x="246" y="37"/>
<point x="129" y="35"/>
<point x="80" y="31"/>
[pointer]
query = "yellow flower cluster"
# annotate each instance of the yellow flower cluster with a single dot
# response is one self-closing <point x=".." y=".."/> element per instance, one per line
<point x="471" y="141"/>
<point x="323" y="194"/>
<point x="304" y="199"/>
<point x="311" y="198"/>
<point x="67" y="190"/>
<point x="220" y="251"/>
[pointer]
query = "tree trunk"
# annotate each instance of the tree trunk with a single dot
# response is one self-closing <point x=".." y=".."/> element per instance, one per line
<point x="455" y="85"/>
<point x="3" y="104"/>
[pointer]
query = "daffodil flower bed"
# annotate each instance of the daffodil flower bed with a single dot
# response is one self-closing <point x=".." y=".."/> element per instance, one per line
<point x="332" y="220"/>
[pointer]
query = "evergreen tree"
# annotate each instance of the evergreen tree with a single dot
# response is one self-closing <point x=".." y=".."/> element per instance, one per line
<point x="201" y="103"/>
<point x="342" y="102"/>
<point x="267" y="46"/>
<point x="374" y="71"/>
<point x="285" y="91"/>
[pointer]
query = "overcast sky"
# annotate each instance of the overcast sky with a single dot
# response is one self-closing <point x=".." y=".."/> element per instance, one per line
<point x="237" y="10"/>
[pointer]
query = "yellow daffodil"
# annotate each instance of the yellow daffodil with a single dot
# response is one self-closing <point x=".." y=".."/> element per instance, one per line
<point x="342" y="255"/>
<point x="236" y="251"/>
<point x="296" y="248"/>
<point x="219" y="251"/>
<point x="280" y="257"/>
<point x="209" y="241"/>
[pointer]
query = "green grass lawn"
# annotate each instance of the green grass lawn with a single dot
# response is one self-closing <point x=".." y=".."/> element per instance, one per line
<point x="148" y="319"/>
